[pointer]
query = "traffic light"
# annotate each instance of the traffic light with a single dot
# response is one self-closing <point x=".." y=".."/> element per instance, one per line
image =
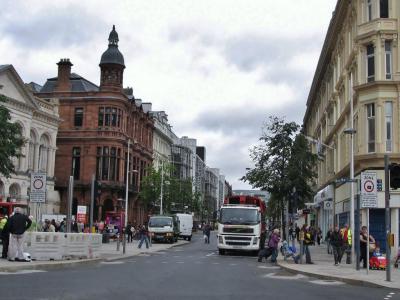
<point x="394" y="172"/>
<point x="97" y="188"/>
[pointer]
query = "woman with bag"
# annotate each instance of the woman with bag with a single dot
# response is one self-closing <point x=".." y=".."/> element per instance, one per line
<point x="364" y="240"/>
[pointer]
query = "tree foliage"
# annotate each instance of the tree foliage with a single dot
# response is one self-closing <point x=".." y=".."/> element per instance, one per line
<point x="11" y="140"/>
<point x="283" y="161"/>
<point x="178" y="193"/>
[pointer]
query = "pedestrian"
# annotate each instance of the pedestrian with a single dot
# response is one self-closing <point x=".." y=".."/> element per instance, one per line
<point x="63" y="225"/>
<point x="297" y="233"/>
<point x="207" y="232"/>
<point x="364" y="240"/>
<point x="290" y="233"/>
<point x="347" y="241"/>
<point x="19" y="223"/>
<point x="308" y="240"/>
<point x="48" y="226"/>
<point x="143" y="237"/>
<point x="128" y="232"/>
<point x="319" y="236"/>
<point x="5" y="237"/>
<point x="271" y="248"/>
<point x="336" y="240"/>
<point x="328" y="240"/>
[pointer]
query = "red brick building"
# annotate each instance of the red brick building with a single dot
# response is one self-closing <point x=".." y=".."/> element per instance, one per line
<point x="93" y="136"/>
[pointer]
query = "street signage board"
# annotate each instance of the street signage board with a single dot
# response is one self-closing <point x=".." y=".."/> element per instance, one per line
<point x="81" y="214"/>
<point x="38" y="188"/>
<point x="369" y="193"/>
<point x="328" y="205"/>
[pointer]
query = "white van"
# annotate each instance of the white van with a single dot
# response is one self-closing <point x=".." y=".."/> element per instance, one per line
<point x="185" y="226"/>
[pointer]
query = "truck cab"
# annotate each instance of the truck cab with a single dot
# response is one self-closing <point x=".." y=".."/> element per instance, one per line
<point x="164" y="228"/>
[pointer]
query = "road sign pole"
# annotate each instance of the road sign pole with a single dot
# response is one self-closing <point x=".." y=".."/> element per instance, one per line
<point x="69" y="202"/>
<point x="387" y="217"/>
<point x="357" y="232"/>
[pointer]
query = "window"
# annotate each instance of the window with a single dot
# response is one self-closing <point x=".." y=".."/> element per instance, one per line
<point x="78" y="120"/>
<point x="76" y="162"/>
<point x="114" y="117"/>
<point x="384" y="8"/>
<point x="101" y="116"/>
<point x="370" y="63"/>
<point x="107" y="163"/>
<point x="388" y="59"/>
<point x="371" y="127"/>
<point x="369" y="10"/>
<point x="389" y="125"/>
<point x="107" y="117"/>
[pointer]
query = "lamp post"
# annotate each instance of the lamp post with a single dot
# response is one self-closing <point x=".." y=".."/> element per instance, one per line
<point x="161" y="188"/>
<point x="126" y="198"/>
<point x="351" y="131"/>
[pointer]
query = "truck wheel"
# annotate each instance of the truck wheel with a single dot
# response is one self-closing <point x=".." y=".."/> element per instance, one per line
<point x="221" y="251"/>
<point x="189" y="238"/>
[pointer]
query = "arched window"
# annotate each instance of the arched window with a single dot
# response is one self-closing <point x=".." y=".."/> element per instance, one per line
<point x="14" y="192"/>
<point x="44" y="153"/>
<point x="31" y="155"/>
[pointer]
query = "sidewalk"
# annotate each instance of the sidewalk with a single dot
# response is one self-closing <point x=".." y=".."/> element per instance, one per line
<point x="324" y="268"/>
<point x="108" y="252"/>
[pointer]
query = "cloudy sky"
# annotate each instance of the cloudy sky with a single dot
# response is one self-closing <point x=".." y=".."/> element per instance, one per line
<point x="218" y="68"/>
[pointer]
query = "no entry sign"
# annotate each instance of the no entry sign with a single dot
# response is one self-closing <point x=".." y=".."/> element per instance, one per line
<point x="38" y="188"/>
<point x="369" y="195"/>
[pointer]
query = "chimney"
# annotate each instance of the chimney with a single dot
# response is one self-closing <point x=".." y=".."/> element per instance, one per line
<point x="64" y="72"/>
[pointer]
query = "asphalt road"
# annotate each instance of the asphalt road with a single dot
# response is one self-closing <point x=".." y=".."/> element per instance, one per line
<point x="193" y="271"/>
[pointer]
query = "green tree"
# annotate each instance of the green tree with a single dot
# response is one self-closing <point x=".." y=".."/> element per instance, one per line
<point x="11" y="140"/>
<point x="301" y="171"/>
<point x="272" y="159"/>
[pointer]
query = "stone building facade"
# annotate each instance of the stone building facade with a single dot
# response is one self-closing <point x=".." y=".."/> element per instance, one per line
<point x="39" y="120"/>
<point x="98" y="123"/>
<point x="358" y="70"/>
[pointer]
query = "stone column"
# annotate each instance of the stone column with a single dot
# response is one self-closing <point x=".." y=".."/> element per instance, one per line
<point x="36" y="157"/>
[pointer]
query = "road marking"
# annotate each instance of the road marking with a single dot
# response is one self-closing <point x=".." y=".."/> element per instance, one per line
<point x="211" y="254"/>
<point x="21" y="272"/>
<point x="233" y="264"/>
<point x="269" y="267"/>
<point x="327" y="282"/>
<point x="215" y="263"/>
<point x="180" y="262"/>
<point x="112" y="262"/>
<point x="295" y="277"/>
<point x="198" y="262"/>
<point x="164" y="262"/>
<point x="176" y="256"/>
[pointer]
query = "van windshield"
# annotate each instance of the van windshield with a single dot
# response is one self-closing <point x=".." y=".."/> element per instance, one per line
<point x="160" y="222"/>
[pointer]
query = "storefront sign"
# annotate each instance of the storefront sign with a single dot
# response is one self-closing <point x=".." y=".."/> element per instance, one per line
<point x="369" y="194"/>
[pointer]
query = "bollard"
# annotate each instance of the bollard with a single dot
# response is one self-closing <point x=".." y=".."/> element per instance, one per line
<point x="123" y="243"/>
<point x="118" y="242"/>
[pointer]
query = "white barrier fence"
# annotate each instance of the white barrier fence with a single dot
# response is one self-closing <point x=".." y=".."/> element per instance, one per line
<point x="59" y="245"/>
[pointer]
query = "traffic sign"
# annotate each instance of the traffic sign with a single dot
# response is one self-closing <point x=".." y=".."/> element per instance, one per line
<point x="38" y="188"/>
<point x="369" y="194"/>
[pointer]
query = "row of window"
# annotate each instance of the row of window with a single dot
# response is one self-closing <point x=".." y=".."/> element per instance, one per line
<point x="108" y="165"/>
<point x="108" y="116"/>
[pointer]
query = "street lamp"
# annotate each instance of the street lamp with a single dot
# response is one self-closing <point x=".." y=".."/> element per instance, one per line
<point x="351" y="131"/>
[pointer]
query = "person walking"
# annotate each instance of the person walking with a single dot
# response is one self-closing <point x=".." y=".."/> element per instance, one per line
<point x="337" y="245"/>
<point x="5" y="237"/>
<point x="347" y="242"/>
<point x="128" y="232"/>
<point x="328" y="240"/>
<point x="207" y="232"/>
<point x="271" y="248"/>
<point x="143" y="237"/>
<point x="19" y="223"/>
<point x="297" y="233"/>
<point x="308" y="240"/>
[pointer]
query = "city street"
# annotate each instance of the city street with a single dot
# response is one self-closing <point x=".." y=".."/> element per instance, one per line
<point x="193" y="271"/>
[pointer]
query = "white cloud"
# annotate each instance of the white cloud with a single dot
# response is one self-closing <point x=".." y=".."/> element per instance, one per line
<point x="217" y="69"/>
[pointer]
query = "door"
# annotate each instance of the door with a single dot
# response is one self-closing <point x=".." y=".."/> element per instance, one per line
<point x="377" y="226"/>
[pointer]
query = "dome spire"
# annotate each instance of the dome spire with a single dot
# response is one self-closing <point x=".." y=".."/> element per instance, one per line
<point x="113" y="38"/>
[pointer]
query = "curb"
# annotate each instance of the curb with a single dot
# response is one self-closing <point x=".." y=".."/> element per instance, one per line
<point x="51" y="265"/>
<point x="350" y="281"/>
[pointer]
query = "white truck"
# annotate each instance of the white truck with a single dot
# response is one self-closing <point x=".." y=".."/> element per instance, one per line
<point x="185" y="226"/>
<point x="164" y="228"/>
<point x="241" y="224"/>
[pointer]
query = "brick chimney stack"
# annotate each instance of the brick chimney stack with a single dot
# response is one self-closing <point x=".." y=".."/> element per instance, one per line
<point x="64" y="72"/>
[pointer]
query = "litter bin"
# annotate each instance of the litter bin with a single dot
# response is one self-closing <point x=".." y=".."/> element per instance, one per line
<point x="106" y="238"/>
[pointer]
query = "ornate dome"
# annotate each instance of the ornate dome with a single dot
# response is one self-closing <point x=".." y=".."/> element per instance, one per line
<point x="112" y="54"/>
